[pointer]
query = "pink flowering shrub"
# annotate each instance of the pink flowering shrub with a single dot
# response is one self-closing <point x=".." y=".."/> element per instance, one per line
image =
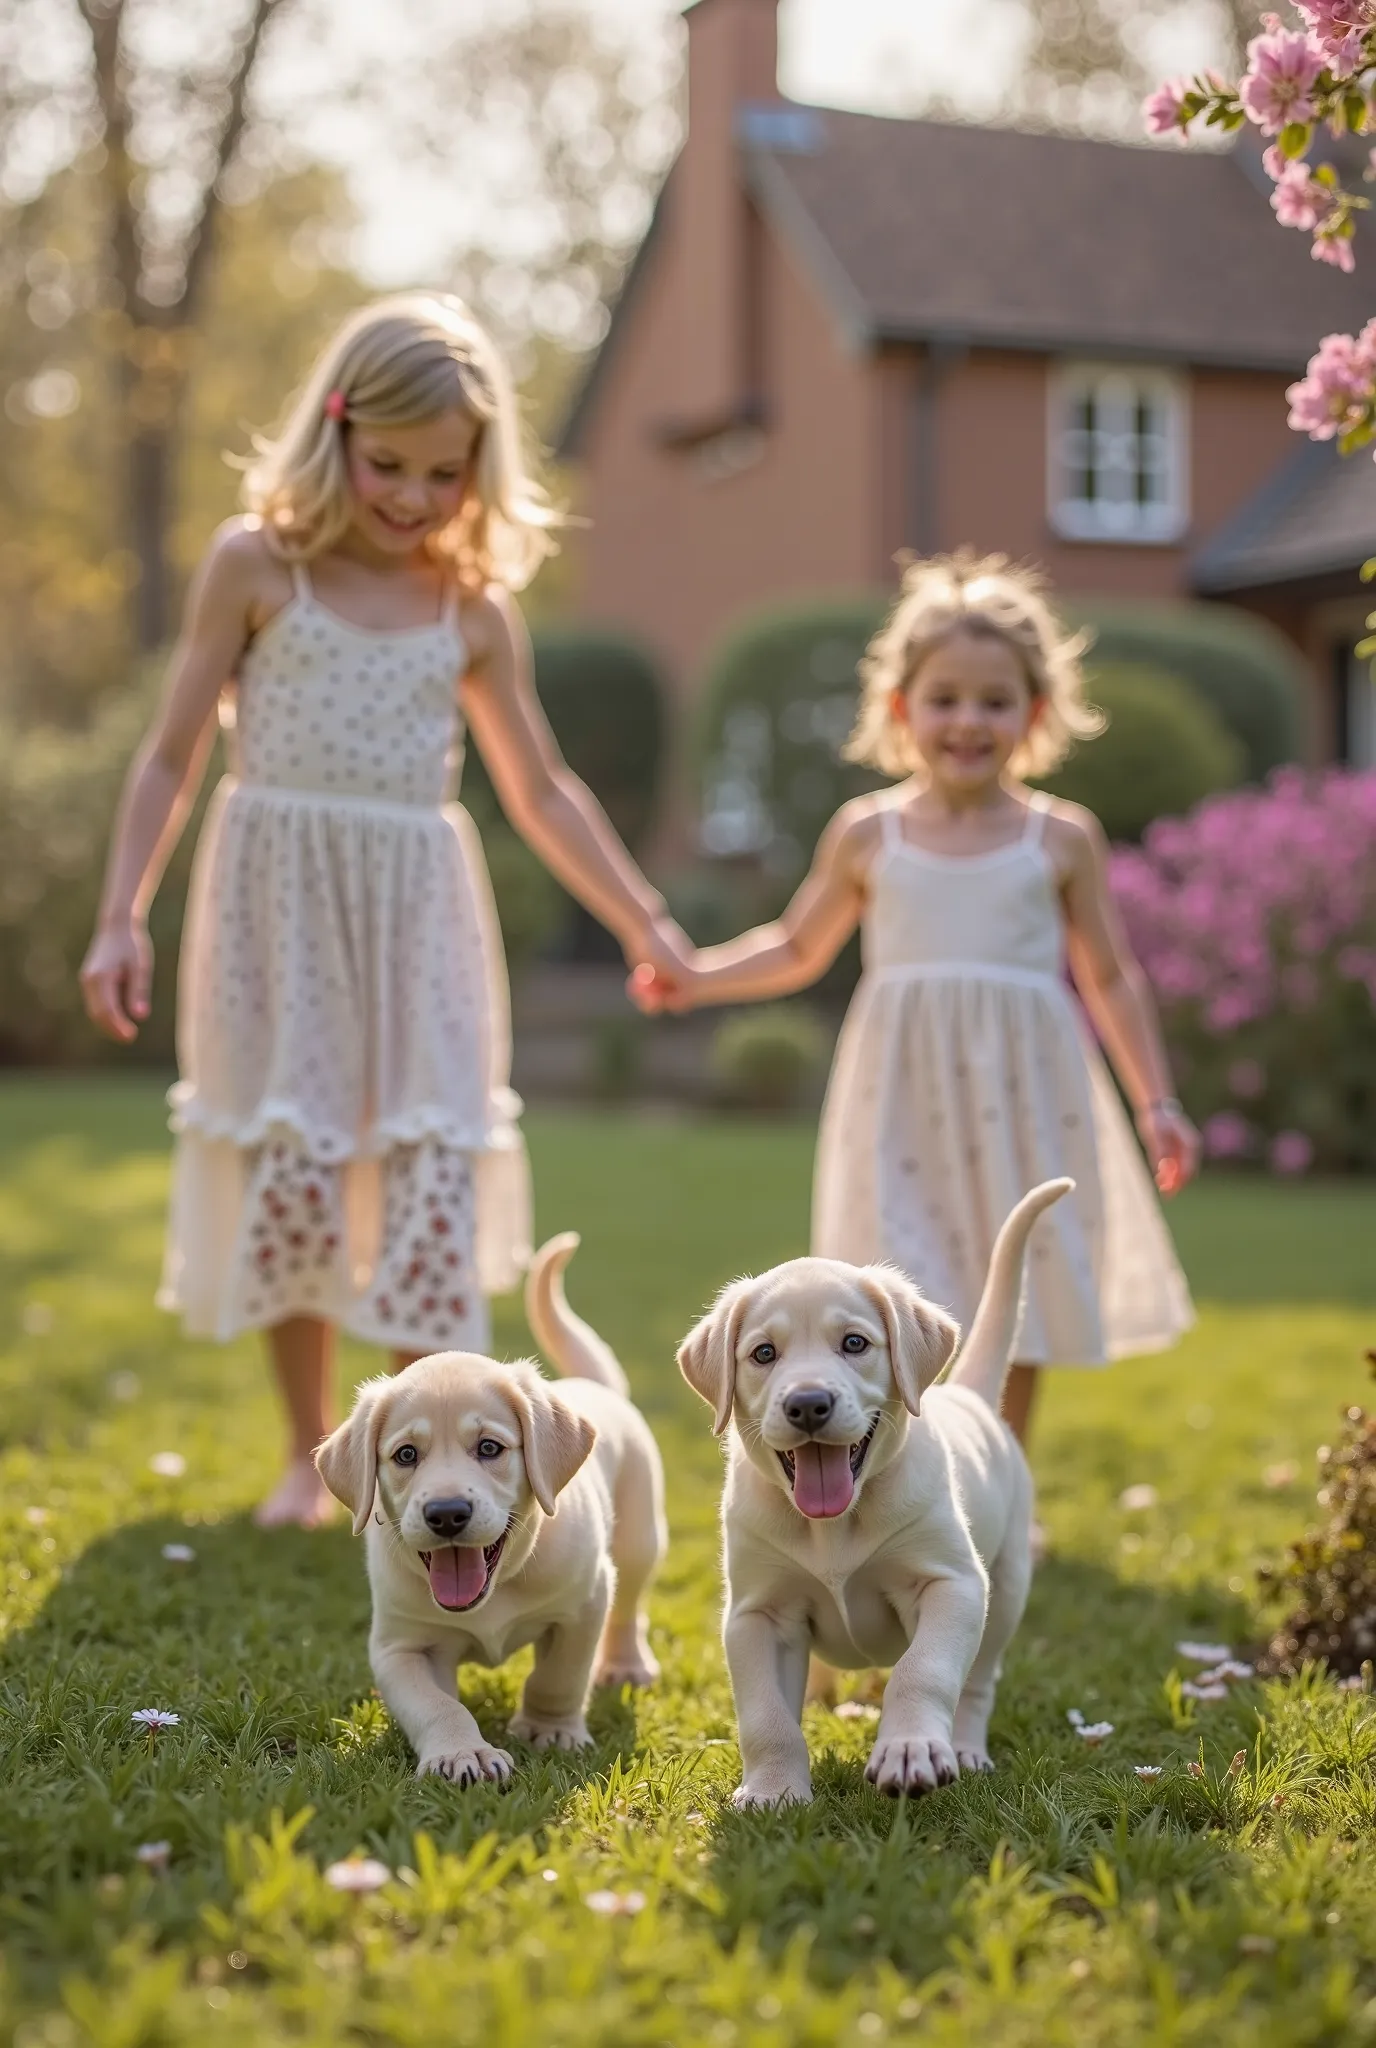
<point x="1255" y="920"/>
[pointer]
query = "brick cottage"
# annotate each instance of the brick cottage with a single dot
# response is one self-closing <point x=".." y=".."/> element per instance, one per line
<point x="846" y="335"/>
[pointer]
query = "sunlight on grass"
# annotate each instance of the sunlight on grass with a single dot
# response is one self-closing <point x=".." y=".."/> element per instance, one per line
<point x="617" y="1898"/>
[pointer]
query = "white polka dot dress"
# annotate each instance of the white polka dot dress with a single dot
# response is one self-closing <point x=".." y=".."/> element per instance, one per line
<point x="965" y="1075"/>
<point x="347" y="1141"/>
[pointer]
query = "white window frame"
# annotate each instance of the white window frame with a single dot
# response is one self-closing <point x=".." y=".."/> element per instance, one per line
<point x="1116" y="513"/>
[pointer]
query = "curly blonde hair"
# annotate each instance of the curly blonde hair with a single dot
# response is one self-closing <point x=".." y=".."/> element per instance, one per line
<point x="988" y="596"/>
<point x="398" y="363"/>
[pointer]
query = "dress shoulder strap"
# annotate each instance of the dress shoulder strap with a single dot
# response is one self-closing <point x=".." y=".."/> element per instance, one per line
<point x="449" y="608"/>
<point x="301" y="582"/>
<point x="1038" y="806"/>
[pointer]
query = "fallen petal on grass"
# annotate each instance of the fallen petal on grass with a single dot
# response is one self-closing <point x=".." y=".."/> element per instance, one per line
<point x="1134" y="1499"/>
<point x="357" y="1874"/>
<point x="615" y="1904"/>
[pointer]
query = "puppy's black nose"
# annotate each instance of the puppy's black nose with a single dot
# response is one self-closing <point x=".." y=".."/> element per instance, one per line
<point x="448" y="1517"/>
<point x="808" y="1407"/>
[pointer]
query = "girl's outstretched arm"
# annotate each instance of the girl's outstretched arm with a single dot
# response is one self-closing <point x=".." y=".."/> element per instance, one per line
<point x="117" y="973"/>
<point x="776" y="959"/>
<point x="554" y="812"/>
<point x="1118" y="998"/>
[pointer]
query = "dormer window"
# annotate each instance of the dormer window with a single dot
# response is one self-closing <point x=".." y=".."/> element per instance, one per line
<point x="1117" y="451"/>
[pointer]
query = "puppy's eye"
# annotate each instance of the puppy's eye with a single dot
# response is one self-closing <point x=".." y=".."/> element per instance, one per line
<point x="406" y="1454"/>
<point x="764" y="1354"/>
<point x="853" y="1343"/>
<point x="488" y="1447"/>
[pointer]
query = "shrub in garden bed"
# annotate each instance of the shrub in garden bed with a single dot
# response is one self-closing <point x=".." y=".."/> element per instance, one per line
<point x="1330" y="1573"/>
<point x="1255" y="919"/>
<point x="768" y="1059"/>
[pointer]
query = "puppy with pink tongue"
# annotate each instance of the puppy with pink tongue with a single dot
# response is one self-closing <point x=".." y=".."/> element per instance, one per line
<point x="872" y="1515"/>
<point x="502" y="1510"/>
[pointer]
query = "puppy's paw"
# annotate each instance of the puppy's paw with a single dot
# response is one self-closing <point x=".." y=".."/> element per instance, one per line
<point x="626" y="1659"/>
<point x="973" y="1757"/>
<point x="464" y="1767"/>
<point x="770" y="1788"/>
<point x="638" y="1670"/>
<point x="569" y="1731"/>
<point x="911" y="1763"/>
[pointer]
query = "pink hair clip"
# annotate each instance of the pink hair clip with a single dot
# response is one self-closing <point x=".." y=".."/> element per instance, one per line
<point x="335" y="405"/>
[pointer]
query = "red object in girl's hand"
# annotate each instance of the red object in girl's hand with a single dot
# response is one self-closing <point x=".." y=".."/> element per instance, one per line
<point x="644" y="985"/>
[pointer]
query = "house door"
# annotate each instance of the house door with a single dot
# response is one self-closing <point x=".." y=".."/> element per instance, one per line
<point x="1357" y="721"/>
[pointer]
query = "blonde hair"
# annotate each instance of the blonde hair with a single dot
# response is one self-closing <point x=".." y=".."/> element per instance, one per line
<point x="989" y="596"/>
<point x="398" y="363"/>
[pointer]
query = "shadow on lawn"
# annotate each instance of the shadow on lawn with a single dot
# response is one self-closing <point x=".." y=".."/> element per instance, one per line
<point x="863" y="1876"/>
<point x="259" y="1643"/>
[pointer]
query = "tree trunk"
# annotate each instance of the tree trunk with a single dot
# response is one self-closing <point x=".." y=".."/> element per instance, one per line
<point x="149" y="486"/>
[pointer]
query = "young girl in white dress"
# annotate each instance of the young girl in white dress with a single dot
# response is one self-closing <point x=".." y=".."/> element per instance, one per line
<point x="964" y="1074"/>
<point x="348" y="1154"/>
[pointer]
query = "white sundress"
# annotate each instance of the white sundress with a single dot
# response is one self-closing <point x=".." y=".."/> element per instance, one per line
<point x="347" y="1142"/>
<point x="964" y="1075"/>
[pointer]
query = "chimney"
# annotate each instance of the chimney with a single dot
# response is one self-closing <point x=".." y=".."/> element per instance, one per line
<point x="733" y="62"/>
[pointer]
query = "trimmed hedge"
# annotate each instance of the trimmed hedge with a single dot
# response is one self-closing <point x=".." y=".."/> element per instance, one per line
<point x="605" y="703"/>
<point x="1243" y="667"/>
<point x="1163" y="752"/>
<point x="778" y="701"/>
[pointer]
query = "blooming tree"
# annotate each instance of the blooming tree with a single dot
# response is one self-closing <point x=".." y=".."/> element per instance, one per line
<point x="1297" y="81"/>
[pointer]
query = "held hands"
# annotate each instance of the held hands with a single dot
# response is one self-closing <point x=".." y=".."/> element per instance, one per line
<point x="664" y="965"/>
<point x="1172" y="1144"/>
<point x="116" y="979"/>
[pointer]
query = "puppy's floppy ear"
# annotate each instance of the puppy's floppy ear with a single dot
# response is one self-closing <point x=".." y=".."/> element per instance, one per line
<point x="555" y="1439"/>
<point x="347" y="1460"/>
<point x="921" y="1336"/>
<point x="707" y="1355"/>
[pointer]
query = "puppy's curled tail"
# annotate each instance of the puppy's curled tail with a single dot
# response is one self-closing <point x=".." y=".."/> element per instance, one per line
<point x="983" y="1361"/>
<point x="565" y="1339"/>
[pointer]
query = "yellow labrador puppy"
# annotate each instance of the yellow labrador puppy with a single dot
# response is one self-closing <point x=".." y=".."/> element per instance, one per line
<point x="871" y="1516"/>
<point x="501" y="1510"/>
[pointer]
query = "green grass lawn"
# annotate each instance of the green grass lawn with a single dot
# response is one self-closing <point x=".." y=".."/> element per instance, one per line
<point x="1063" y="1900"/>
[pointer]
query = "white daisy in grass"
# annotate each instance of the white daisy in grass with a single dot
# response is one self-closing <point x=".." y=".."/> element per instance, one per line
<point x="167" y="1464"/>
<point x="1203" y="1653"/>
<point x="1226" y="1673"/>
<point x="614" y="1905"/>
<point x="1148" y="1771"/>
<point x="1075" y="1717"/>
<point x="1094" y="1732"/>
<point x="1190" y="1691"/>
<point x="153" y="1855"/>
<point x="155" y="1718"/>
<point x="178" y="1553"/>
<point x="357" y="1874"/>
<point x="856" y="1710"/>
<point x="1135" y="1500"/>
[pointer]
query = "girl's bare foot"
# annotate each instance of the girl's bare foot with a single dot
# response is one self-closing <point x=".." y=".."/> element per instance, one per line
<point x="300" y="1497"/>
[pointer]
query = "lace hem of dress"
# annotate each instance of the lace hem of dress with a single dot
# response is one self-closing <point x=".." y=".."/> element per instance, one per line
<point x="405" y="1127"/>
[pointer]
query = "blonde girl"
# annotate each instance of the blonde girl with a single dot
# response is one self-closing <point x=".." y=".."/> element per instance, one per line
<point x="348" y="1154"/>
<point x="964" y="1074"/>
